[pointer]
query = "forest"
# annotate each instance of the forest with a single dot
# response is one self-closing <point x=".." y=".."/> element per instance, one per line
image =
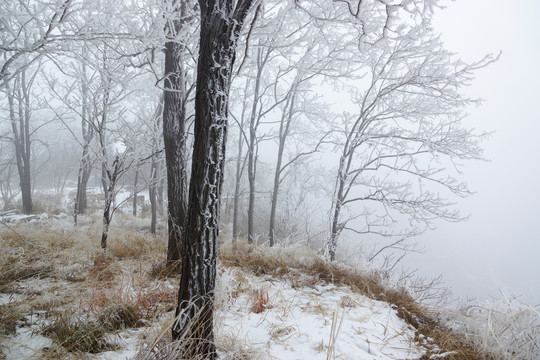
<point x="160" y="157"/>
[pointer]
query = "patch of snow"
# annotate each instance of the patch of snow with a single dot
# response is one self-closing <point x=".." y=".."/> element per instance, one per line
<point x="6" y="298"/>
<point x="310" y="322"/>
<point x="26" y="344"/>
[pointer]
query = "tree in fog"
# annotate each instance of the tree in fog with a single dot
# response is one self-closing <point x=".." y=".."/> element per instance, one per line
<point x="76" y="93"/>
<point x="180" y="22"/>
<point x="19" y="97"/>
<point x="221" y="22"/>
<point x="7" y="171"/>
<point x="396" y="151"/>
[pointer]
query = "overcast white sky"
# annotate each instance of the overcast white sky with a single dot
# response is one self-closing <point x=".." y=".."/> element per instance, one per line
<point x="499" y="247"/>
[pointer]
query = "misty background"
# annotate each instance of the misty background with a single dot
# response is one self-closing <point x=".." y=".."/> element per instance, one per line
<point x="498" y="248"/>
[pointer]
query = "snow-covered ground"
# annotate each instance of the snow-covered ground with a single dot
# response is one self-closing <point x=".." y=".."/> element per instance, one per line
<point x="295" y="316"/>
<point x="319" y="321"/>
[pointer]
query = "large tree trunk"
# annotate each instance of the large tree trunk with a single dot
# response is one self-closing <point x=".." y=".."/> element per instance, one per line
<point x="220" y="26"/>
<point x="174" y="136"/>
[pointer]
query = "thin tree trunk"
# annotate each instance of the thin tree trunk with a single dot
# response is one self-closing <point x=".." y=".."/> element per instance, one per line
<point x="85" y="170"/>
<point x="240" y="165"/>
<point x="284" y="127"/>
<point x="85" y="167"/>
<point x="252" y="155"/>
<point x="109" y="198"/>
<point x="160" y="188"/>
<point x="135" y="192"/>
<point x="238" y="180"/>
<point x="152" y="192"/>
<point x="336" y="225"/>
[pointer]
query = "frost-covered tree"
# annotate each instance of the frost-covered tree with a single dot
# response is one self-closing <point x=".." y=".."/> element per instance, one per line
<point x="221" y="23"/>
<point x="397" y="152"/>
<point x="180" y="24"/>
<point x="20" y="105"/>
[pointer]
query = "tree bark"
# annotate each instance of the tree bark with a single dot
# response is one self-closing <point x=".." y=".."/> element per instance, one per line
<point x="220" y="27"/>
<point x="174" y="136"/>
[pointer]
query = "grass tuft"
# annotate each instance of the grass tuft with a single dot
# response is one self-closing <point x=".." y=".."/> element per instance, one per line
<point x="9" y="317"/>
<point x="129" y="246"/>
<point x="120" y="316"/>
<point x="76" y="334"/>
<point x="261" y="301"/>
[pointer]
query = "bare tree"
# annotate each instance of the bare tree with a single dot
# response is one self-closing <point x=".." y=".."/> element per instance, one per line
<point x="221" y="22"/>
<point x="20" y="114"/>
<point x="394" y="153"/>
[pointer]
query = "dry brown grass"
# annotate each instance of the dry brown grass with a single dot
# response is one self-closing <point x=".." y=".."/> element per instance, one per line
<point x="289" y="265"/>
<point x="260" y="301"/>
<point x="85" y="292"/>
<point x="77" y="334"/>
<point x="9" y="317"/>
<point x="129" y="246"/>
<point x="104" y="269"/>
<point x="120" y="316"/>
<point x="163" y="270"/>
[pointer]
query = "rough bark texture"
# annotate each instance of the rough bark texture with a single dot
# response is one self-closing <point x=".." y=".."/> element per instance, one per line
<point x="220" y="26"/>
<point x="174" y="129"/>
